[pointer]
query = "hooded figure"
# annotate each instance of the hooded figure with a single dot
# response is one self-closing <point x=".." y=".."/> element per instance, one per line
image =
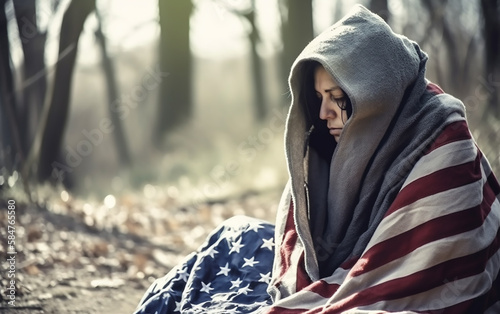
<point x="400" y="210"/>
<point x="390" y="206"/>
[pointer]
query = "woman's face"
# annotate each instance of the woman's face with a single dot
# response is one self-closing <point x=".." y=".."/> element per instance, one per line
<point x="330" y="94"/>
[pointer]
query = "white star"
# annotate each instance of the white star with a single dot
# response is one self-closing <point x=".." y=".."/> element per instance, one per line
<point x="249" y="262"/>
<point x="206" y="287"/>
<point x="183" y="274"/>
<point x="245" y="290"/>
<point x="255" y="227"/>
<point x="268" y="243"/>
<point x="265" y="278"/>
<point x="177" y="306"/>
<point x="224" y="270"/>
<point x="212" y="252"/>
<point x="236" y="283"/>
<point x="236" y="246"/>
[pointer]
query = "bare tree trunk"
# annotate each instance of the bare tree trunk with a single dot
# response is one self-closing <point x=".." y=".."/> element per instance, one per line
<point x="11" y="134"/>
<point x="454" y="64"/>
<point x="438" y="21"/>
<point x="381" y="8"/>
<point x="468" y="62"/>
<point x="491" y="33"/>
<point x="109" y="72"/>
<point x="297" y="31"/>
<point x="33" y="83"/>
<point x="259" y="86"/>
<point x="175" y="58"/>
<point x="54" y="126"/>
<point x="10" y="124"/>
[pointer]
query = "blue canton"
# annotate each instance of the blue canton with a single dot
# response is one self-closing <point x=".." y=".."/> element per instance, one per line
<point x="230" y="273"/>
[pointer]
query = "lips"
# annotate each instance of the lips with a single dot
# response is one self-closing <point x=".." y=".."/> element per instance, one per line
<point x="335" y="131"/>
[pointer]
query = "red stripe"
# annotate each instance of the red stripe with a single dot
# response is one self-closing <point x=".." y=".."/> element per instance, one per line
<point x="282" y="310"/>
<point x="288" y="244"/>
<point x="437" y="182"/>
<point x="303" y="279"/>
<point x="463" y="307"/>
<point x="323" y="288"/>
<point x="454" y="132"/>
<point x="434" y="88"/>
<point x="349" y="263"/>
<point x="432" y="230"/>
<point x="421" y="281"/>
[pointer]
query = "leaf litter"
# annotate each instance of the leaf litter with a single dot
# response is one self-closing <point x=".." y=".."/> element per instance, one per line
<point x="81" y="256"/>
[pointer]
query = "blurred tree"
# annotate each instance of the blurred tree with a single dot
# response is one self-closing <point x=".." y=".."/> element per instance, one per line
<point x="438" y="22"/>
<point x="58" y="102"/>
<point x="248" y="12"/>
<point x="297" y="31"/>
<point x="381" y="8"/>
<point x="11" y="144"/>
<point x="112" y="90"/>
<point x="33" y="79"/>
<point x="257" y="75"/>
<point x="175" y="59"/>
<point x="491" y="33"/>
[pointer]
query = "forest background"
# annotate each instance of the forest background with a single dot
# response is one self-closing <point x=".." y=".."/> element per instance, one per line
<point x="129" y="129"/>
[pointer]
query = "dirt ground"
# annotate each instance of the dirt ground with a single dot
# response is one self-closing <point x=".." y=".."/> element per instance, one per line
<point x="77" y="295"/>
<point x="77" y="256"/>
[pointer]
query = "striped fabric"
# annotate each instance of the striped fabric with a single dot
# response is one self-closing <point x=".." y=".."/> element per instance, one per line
<point x="435" y="251"/>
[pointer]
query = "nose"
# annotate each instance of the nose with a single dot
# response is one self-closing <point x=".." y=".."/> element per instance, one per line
<point x="325" y="112"/>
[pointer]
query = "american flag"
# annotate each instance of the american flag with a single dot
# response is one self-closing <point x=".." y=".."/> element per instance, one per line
<point x="228" y="274"/>
<point x="435" y="251"/>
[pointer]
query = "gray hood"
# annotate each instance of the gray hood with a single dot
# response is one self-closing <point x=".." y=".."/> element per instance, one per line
<point x="393" y="120"/>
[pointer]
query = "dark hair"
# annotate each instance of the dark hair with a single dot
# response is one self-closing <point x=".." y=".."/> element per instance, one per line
<point x="320" y="138"/>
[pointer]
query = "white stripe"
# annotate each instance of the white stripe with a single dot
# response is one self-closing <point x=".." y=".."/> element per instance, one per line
<point x="448" y="294"/>
<point x="288" y="284"/>
<point x="427" y="208"/>
<point x="338" y="276"/>
<point x="449" y="155"/>
<point x="428" y="255"/>
<point x="302" y="300"/>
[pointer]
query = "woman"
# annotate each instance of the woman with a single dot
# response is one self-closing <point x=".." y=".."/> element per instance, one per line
<point x="390" y="207"/>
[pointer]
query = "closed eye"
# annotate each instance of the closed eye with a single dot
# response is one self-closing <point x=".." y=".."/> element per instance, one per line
<point x="337" y="99"/>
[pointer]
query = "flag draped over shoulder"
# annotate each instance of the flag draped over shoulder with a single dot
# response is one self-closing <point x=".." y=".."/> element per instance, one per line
<point x="435" y="250"/>
<point x="401" y="213"/>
